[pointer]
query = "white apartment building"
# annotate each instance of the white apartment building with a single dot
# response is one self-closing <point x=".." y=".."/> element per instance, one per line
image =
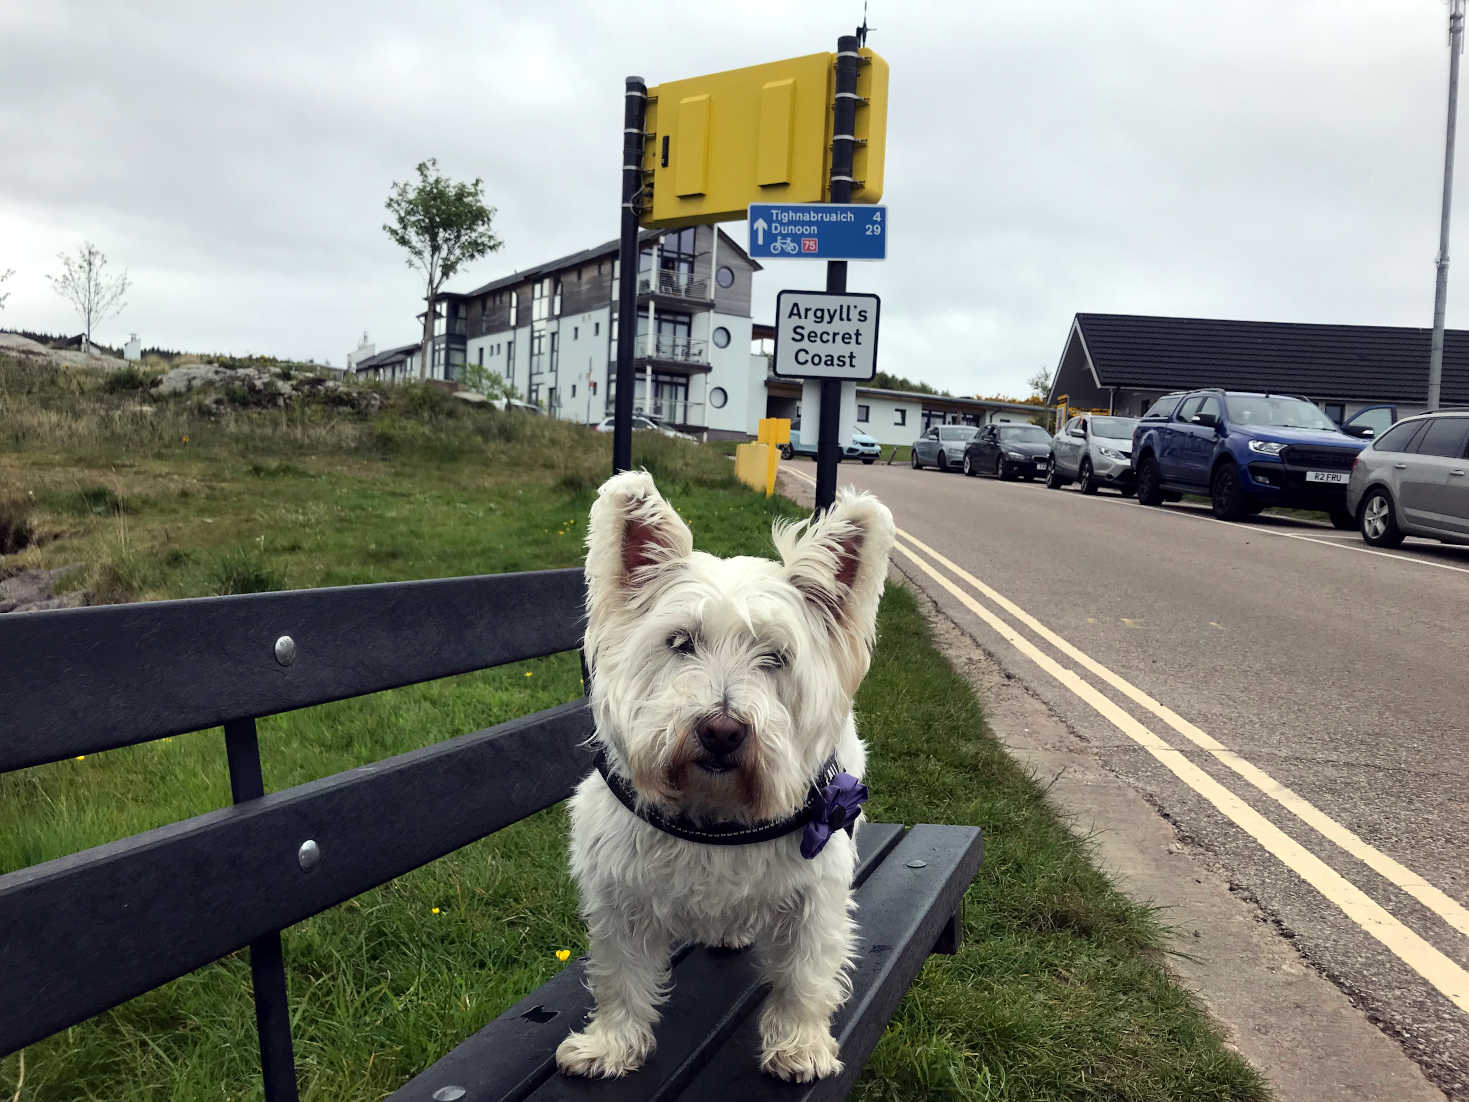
<point x="551" y="332"/>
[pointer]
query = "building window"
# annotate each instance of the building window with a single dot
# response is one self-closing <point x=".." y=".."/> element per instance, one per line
<point x="725" y="276"/>
<point x="479" y="355"/>
<point x="1337" y="411"/>
<point x="862" y="412"/>
<point x="576" y="332"/>
<point x="900" y="416"/>
<point x="718" y="397"/>
<point x="721" y="337"/>
<point x="596" y="328"/>
<point x="573" y="390"/>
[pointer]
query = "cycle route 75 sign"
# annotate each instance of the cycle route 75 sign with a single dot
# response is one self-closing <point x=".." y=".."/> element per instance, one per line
<point x="818" y="231"/>
<point x="826" y="335"/>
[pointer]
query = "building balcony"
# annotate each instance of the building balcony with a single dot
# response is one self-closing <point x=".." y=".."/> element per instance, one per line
<point x="672" y="352"/>
<point x="673" y="412"/>
<point x="680" y="287"/>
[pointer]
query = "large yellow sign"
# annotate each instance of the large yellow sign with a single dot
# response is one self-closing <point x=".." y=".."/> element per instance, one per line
<point x="757" y="135"/>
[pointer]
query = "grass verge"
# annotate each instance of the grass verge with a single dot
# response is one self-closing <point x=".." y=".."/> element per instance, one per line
<point x="1058" y="992"/>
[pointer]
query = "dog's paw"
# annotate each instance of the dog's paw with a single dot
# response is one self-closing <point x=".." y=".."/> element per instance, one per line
<point x="602" y="1054"/>
<point x="802" y="1063"/>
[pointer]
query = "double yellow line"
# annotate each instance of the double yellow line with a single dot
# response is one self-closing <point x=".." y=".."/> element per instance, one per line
<point x="1438" y="969"/>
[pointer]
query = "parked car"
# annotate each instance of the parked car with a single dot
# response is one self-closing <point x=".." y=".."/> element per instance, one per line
<point x="1247" y="451"/>
<point x="511" y="404"/>
<point x="942" y="446"/>
<point x="860" y="446"/>
<point x="641" y="422"/>
<point x="1009" y="451"/>
<point x="1413" y="480"/>
<point x="1093" y="450"/>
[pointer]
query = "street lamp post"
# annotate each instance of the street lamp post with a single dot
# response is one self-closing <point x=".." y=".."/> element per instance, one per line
<point x="1441" y="283"/>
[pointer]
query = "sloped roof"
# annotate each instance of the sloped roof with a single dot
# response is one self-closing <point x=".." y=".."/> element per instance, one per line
<point x="1356" y="362"/>
<point x="402" y="352"/>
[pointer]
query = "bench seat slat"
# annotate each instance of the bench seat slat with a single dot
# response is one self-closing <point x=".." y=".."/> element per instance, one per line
<point x="83" y="680"/>
<point x="85" y="932"/>
<point x="904" y="910"/>
<point x="513" y="1056"/>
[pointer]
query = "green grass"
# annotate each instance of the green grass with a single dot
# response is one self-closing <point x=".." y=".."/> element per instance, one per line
<point x="1058" y="991"/>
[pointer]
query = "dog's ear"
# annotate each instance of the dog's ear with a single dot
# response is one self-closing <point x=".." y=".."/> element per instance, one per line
<point x="839" y="563"/>
<point x="632" y="536"/>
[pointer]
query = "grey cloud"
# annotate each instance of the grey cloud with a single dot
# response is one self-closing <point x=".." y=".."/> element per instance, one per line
<point x="1245" y="160"/>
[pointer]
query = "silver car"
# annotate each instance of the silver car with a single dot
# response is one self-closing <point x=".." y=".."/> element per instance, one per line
<point x="1093" y="450"/>
<point x="942" y="446"/>
<point x="1413" y="480"/>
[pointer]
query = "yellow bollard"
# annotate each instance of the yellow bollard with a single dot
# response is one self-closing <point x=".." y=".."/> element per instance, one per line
<point x="773" y="432"/>
<point x="751" y="464"/>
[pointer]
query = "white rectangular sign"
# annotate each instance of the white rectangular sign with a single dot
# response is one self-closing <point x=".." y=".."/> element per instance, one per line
<point x="826" y="335"/>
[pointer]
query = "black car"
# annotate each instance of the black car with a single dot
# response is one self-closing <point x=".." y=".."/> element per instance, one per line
<point x="1008" y="451"/>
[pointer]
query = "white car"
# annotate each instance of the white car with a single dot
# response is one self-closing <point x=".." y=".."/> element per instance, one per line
<point x="641" y="423"/>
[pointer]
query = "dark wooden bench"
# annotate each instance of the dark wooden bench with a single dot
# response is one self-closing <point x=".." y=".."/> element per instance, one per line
<point x="88" y="931"/>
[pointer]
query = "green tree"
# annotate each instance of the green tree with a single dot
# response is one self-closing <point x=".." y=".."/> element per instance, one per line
<point x="443" y="225"/>
<point x="3" y="277"/>
<point x="85" y="284"/>
<point x="490" y="383"/>
<point x="885" y="381"/>
<point x="1040" y="383"/>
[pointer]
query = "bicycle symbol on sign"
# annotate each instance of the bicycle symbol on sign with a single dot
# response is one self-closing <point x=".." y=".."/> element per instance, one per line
<point x="785" y="245"/>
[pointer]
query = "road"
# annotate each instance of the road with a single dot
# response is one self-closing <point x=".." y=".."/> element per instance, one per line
<point x="1294" y="703"/>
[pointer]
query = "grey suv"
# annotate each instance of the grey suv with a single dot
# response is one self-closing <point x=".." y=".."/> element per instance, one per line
<point x="1093" y="450"/>
<point x="1413" y="480"/>
<point x="942" y="446"/>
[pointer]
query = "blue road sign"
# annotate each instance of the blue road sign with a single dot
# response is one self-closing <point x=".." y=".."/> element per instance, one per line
<point x="818" y="231"/>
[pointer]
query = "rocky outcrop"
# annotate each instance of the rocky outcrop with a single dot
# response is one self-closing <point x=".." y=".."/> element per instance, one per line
<point x="35" y="591"/>
<point x="16" y="345"/>
<point x="247" y="387"/>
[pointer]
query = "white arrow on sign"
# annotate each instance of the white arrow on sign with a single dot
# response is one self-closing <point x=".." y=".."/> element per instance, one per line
<point x="759" y="227"/>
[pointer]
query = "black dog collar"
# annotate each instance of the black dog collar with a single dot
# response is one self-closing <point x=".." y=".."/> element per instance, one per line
<point x="727" y="833"/>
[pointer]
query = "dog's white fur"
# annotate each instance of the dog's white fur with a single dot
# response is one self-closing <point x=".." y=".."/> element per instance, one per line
<point x="675" y="636"/>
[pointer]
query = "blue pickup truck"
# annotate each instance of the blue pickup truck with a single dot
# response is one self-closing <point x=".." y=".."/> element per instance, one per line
<point x="1247" y="452"/>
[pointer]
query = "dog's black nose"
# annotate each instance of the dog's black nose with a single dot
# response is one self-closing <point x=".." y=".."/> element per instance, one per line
<point x="722" y="734"/>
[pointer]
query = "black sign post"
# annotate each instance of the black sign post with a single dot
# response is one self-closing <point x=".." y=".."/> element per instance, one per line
<point x="843" y="142"/>
<point x="633" y="116"/>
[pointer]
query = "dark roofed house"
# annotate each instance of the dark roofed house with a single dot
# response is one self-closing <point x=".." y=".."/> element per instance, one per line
<point x="394" y="365"/>
<point x="1124" y="362"/>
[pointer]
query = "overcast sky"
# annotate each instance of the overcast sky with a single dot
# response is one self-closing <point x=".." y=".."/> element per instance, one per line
<point x="1255" y="159"/>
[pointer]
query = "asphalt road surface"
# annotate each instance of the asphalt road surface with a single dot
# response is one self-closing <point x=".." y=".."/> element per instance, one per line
<point x="1295" y="703"/>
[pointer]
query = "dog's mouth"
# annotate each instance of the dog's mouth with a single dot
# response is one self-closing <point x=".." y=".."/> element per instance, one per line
<point x="716" y="766"/>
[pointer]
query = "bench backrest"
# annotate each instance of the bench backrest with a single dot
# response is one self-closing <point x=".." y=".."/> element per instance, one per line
<point x="85" y="932"/>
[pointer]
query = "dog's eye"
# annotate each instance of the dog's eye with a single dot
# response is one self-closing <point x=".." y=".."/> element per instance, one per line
<point x="681" y="643"/>
<point x="773" y="660"/>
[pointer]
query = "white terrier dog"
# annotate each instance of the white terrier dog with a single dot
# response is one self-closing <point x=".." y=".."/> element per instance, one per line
<point x="729" y="767"/>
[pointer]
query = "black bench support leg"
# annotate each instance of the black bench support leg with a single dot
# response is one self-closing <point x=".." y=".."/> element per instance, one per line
<point x="952" y="935"/>
<point x="267" y="969"/>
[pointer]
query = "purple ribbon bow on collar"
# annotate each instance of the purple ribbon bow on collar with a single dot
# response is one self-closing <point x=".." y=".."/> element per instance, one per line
<point x="841" y="803"/>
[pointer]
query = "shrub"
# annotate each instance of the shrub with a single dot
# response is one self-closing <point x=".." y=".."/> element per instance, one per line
<point x="426" y="402"/>
<point x="128" y="380"/>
